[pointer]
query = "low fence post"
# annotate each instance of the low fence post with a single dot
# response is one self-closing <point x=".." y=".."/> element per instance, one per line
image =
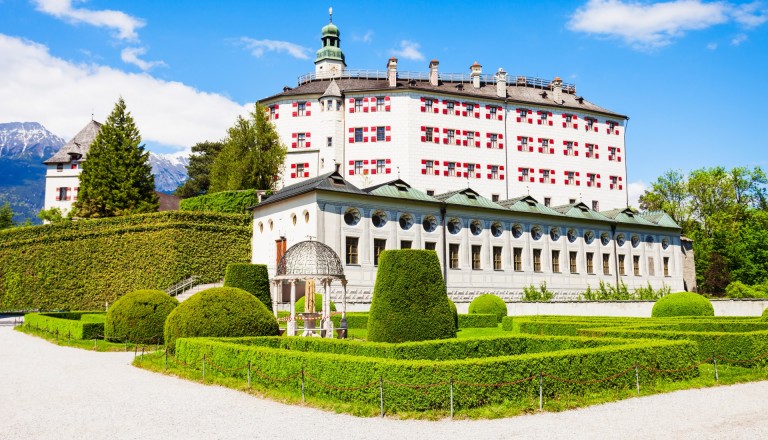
<point x="451" y="382"/>
<point x="249" y="374"/>
<point x="94" y="343"/>
<point x="381" y="395"/>
<point x="714" y="361"/>
<point x="203" y="368"/>
<point x="541" y="391"/>
<point x="637" y="379"/>
<point x="165" y="359"/>
<point x="302" y="385"/>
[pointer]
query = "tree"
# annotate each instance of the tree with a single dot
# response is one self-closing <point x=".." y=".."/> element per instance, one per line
<point x="199" y="169"/>
<point x="669" y="194"/>
<point x="53" y="216"/>
<point x="6" y="216"/>
<point x="252" y="155"/>
<point x="117" y="177"/>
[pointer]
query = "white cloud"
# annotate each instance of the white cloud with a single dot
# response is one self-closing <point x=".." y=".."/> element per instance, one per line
<point x="738" y="39"/>
<point x="634" y="191"/>
<point x="652" y="25"/>
<point x="258" y="47"/>
<point x="408" y="50"/>
<point x="365" y="38"/>
<point x="62" y="95"/>
<point x="712" y="46"/>
<point x="131" y="55"/>
<point x="124" y="24"/>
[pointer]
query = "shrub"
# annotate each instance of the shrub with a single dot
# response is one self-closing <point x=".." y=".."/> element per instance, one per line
<point x="299" y="306"/>
<point x="765" y="315"/>
<point x="139" y="317"/>
<point x="489" y="304"/>
<point x="234" y="202"/>
<point x="737" y="289"/>
<point x="253" y="278"/>
<point x="455" y="314"/>
<point x="219" y="312"/>
<point x="75" y="325"/>
<point x="682" y="304"/>
<point x="531" y="293"/>
<point x="478" y="321"/>
<point x="410" y="302"/>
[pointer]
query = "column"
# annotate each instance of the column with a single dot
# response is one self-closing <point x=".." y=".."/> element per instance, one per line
<point x="291" y="327"/>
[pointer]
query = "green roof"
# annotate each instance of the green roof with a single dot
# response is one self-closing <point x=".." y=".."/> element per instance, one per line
<point x="627" y="216"/>
<point x="399" y="189"/>
<point x="467" y="197"/>
<point x="580" y="210"/>
<point x="660" y="218"/>
<point x="527" y="204"/>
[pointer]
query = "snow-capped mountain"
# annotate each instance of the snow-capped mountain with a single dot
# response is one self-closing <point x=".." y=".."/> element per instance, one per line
<point x="170" y="170"/>
<point x="27" y="139"/>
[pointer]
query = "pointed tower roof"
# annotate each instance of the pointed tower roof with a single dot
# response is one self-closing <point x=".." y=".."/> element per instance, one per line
<point x="332" y="91"/>
<point x="78" y="146"/>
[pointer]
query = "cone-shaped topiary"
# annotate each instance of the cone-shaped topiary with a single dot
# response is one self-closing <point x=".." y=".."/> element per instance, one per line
<point x="765" y="315"/>
<point x="252" y="278"/>
<point x="455" y="313"/>
<point x="139" y="317"/>
<point x="219" y="312"/>
<point x="299" y="306"/>
<point x="488" y="304"/>
<point x="682" y="304"/>
<point x="409" y="302"/>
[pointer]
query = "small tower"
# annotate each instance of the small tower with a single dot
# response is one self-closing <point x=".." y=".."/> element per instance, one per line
<point x="330" y="59"/>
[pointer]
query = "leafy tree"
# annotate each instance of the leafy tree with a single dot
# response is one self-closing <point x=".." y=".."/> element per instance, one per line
<point x="53" y="216"/>
<point x="252" y="155"/>
<point x="117" y="177"/>
<point x="6" y="216"/>
<point x="199" y="169"/>
<point x="669" y="194"/>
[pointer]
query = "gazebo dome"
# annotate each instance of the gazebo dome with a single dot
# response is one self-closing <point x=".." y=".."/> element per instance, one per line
<point x="310" y="258"/>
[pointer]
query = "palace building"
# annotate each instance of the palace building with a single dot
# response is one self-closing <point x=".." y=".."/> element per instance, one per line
<point x="512" y="180"/>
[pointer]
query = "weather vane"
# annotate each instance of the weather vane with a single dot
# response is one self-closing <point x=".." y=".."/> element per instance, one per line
<point x="330" y="13"/>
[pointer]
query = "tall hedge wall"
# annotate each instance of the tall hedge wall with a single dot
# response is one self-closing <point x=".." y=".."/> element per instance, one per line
<point x="233" y="202"/>
<point x="82" y="265"/>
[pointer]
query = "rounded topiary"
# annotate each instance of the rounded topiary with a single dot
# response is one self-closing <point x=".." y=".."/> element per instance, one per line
<point x="409" y="302"/>
<point x="299" y="306"/>
<point x="765" y="315"/>
<point x="252" y="278"/>
<point x="139" y="317"/>
<point x="455" y="313"/>
<point x="488" y="304"/>
<point x="219" y="312"/>
<point x="682" y="304"/>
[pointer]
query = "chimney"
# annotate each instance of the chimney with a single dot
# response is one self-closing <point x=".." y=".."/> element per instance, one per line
<point x="433" y="72"/>
<point x="557" y="90"/>
<point x="501" y="83"/>
<point x="475" y="71"/>
<point x="392" y="72"/>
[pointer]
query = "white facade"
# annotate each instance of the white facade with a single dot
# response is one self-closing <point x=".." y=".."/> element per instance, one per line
<point x="62" y="183"/>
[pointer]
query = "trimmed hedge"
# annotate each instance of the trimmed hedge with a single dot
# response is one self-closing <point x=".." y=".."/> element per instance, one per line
<point x="139" y="317"/>
<point x="253" y="278"/>
<point x="765" y="315"/>
<point x="81" y="265"/>
<point x="478" y="321"/>
<point x="410" y="302"/>
<point x="299" y="306"/>
<point x="455" y="313"/>
<point x="75" y="325"/>
<point x="233" y="202"/>
<point x="682" y="304"/>
<point x="488" y="303"/>
<point x="356" y="320"/>
<point x="356" y="378"/>
<point x="219" y="312"/>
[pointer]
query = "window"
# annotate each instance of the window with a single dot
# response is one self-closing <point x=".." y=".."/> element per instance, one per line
<point x="358" y="135"/>
<point x="590" y="263"/>
<point x="494" y="197"/>
<point x="428" y="134"/>
<point x="636" y="265"/>
<point x="451" y="136"/>
<point x="591" y="179"/>
<point x="611" y="153"/>
<point x="517" y="259"/>
<point x="497" y="257"/>
<point x="492" y="112"/>
<point x="545" y="146"/>
<point x="430" y="245"/>
<point x="476" y="257"/>
<point x="358" y="167"/>
<point x="556" y="261"/>
<point x="470" y="109"/>
<point x="595" y="205"/>
<point x="545" y="176"/>
<point x="59" y="167"/>
<point x="495" y="176"/>
<point x="381" y="166"/>
<point x="537" y="260"/>
<point x="430" y="167"/>
<point x="379" y="245"/>
<point x="470" y="169"/>
<point x="611" y="126"/>
<point x="622" y="268"/>
<point x="405" y="244"/>
<point x="614" y="182"/>
<point x="380" y="103"/>
<point x="299" y="170"/>
<point x="494" y="140"/>
<point x="428" y="105"/>
<point x="451" y="168"/>
<point x="358" y="105"/>
<point x="524" y="174"/>
<point x="543" y="116"/>
<point x="590" y="124"/>
<point x="570" y="180"/>
<point x="381" y="135"/>
<point x="471" y="138"/>
<point x="62" y="193"/>
<point x="666" y="266"/>
<point x="453" y="255"/>
<point x="301" y="109"/>
<point x="301" y="139"/>
<point x="572" y="262"/>
<point x="329" y="141"/>
<point x="569" y="148"/>
<point x="606" y="264"/>
<point x="591" y="150"/>
<point x="571" y="201"/>
<point x="272" y="112"/>
<point x="547" y="201"/>
<point x="449" y="107"/>
<point x="430" y="192"/>
<point x="524" y="143"/>
<point x="568" y="121"/>
<point x="352" y="250"/>
<point x="651" y="269"/>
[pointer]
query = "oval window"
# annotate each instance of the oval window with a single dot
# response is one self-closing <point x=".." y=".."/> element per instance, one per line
<point x="454" y="226"/>
<point x="536" y="232"/>
<point x="496" y="229"/>
<point x="589" y="237"/>
<point x="476" y="227"/>
<point x="429" y="223"/>
<point x="664" y="243"/>
<point x="517" y="230"/>
<point x="635" y="240"/>
<point x="554" y="234"/>
<point x="379" y="219"/>
<point x="571" y="235"/>
<point x="352" y="216"/>
<point x="605" y="238"/>
<point x="620" y="239"/>
<point x="406" y="221"/>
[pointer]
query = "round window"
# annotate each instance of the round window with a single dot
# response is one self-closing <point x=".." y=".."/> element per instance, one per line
<point x="454" y="226"/>
<point x="406" y="221"/>
<point x="352" y="216"/>
<point x="589" y="237"/>
<point x="476" y="227"/>
<point x="635" y="240"/>
<point x="664" y="243"/>
<point x="379" y="219"/>
<point x="261" y="227"/>
<point x="496" y="229"/>
<point x="554" y="234"/>
<point x="620" y="239"/>
<point x="571" y="235"/>
<point x="429" y="223"/>
<point x="517" y="230"/>
<point x="536" y="232"/>
<point x="605" y="238"/>
<point x="306" y="216"/>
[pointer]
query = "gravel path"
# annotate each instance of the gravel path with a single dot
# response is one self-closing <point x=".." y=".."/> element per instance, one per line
<point x="52" y="392"/>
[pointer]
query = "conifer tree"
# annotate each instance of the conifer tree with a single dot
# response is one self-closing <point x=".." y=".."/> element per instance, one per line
<point x="117" y="177"/>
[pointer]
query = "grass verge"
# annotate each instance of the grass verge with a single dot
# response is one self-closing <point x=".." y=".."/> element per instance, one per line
<point x="85" y="344"/>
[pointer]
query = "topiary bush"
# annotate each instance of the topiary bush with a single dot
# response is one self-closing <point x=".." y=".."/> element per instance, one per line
<point x="219" y="312"/>
<point x="253" y="278"/>
<point x="139" y="317"/>
<point x="410" y="302"/>
<point x="299" y="306"/>
<point x="765" y="315"/>
<point x="455" y="314"/>
<point x="487" y="304"/>
<point x="682" y="304"/>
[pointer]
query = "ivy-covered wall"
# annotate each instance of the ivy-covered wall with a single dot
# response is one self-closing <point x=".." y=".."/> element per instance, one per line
<point x="236" y="202"/>
<point x="83" y="265"/>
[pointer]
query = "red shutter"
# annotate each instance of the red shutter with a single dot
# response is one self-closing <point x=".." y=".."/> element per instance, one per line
<point x="386" y="103"/>
<point x="351" y="105"/>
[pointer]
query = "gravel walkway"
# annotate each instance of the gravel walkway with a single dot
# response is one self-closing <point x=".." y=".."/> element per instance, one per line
<point x="52" y="392"/>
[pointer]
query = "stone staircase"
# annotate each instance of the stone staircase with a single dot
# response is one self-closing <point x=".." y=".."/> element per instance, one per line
<point x="193" y="290"/>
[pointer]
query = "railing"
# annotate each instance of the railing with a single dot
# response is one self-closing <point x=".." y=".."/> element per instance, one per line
<point x="182" y="285"/>
<point x="520" y="81"/>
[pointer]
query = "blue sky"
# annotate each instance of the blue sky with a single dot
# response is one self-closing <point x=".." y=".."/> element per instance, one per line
<point x="689" y="73"/>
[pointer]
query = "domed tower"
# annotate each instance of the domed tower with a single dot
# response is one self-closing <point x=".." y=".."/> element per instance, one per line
<point x="330" y="59"/>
